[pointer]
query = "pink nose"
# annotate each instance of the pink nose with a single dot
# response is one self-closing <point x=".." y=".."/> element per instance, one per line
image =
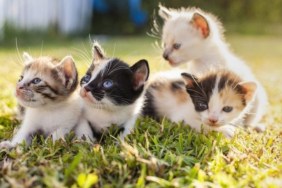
<point x="213" y="120"/>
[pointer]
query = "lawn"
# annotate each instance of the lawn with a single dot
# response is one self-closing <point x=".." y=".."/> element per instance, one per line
<point x="155" y="154"/>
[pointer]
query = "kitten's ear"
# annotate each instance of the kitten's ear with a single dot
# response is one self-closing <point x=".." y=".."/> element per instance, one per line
<point x="249" y="89"/>
<point x="141" y="73"/>
<point x="27" y="58"/>
<point x="97" y="51"/>
<point x="189" y="79"/>
<point x="201" y="23"/>
<point x="164" y="13"/>
<point x="68" y="67"/>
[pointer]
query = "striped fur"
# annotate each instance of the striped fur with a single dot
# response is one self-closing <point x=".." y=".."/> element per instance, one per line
<point x="49" y="105"/>
<point x="55" y="85"/>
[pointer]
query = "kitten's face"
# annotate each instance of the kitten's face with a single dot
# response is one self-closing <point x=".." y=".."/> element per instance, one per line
<point x="183" y="37"/>
<point x="45" y="81"/>
<point x="110" y="82"/>
<point x="219" y="98"/>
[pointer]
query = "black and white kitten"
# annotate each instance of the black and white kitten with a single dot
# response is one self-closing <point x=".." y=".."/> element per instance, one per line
<point x="46" y="94"/>
<point x="112" y="93"/>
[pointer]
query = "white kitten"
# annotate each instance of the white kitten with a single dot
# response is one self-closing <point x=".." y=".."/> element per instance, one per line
<point x="195" y="37"/>
<point x="46" y="91"/>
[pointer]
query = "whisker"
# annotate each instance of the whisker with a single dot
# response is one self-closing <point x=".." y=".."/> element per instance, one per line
<point x="83" y="54"/>
<point x="18" y="52"/>
<point x="41" y="48"/>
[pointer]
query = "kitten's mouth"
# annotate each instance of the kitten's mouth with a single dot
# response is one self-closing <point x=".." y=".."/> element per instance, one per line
<point x="213" y="125"/>
<point x="172" y="63"/>
<point x="24" y="96"/>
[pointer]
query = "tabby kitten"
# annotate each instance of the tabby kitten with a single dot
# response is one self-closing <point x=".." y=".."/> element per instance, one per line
<point x="45" y="92"/>
<point x="112" y="93"/>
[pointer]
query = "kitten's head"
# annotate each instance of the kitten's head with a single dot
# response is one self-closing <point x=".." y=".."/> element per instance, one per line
<point x="220" y="97"/>
<point x="46" y="81"/>
<point x="186" y="33"/>
<point x="110" y="82"/>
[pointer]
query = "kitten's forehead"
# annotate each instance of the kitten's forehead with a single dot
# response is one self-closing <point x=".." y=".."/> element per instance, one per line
<point x="97" y="67"/>
<point x="40" y="66"/>
<point x="106" y="67"/>
<point x="225" y="90"/>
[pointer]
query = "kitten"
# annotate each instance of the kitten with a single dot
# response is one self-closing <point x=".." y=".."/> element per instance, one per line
<point x="166" y="96"/>
<point x="221" y="98"/>
<point x="46" y="94"/>
<point x="112" y="93"/>
<point x="217" y="101"/>
<point x="195" y="37"/>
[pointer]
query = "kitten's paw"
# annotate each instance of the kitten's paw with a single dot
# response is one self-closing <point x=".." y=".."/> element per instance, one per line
<point x="7" y="144"/>
<point x="260" y="127"/>
<point x="228" y="131"/>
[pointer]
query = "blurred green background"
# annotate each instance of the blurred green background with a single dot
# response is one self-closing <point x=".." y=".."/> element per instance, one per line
<point x="240" y="16"/>
<point x="126" y="17"/>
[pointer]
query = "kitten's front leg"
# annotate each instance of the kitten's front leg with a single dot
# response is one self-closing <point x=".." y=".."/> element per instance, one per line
<point x="60" y="133"/>
<point x="23" y="134"/>
<point x="83" y="130"/>
<point x="227" y="130"/>
<point x="128" y="126"/>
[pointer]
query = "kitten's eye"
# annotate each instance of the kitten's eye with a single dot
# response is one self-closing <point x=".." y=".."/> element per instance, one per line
<point x="36" y="80"/>
<point x="85" y="79"/>
<point x="201" y="106"/>
<point x="20" y="79"/>
<point x="108" y="84"/>
<point x="227" y="108"/>
<point x="176" y="46"/>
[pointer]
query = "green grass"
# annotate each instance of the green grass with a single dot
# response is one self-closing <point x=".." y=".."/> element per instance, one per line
<point x="156" y="154"/>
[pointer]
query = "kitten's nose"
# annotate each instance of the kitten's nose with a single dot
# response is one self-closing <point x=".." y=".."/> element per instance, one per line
<point x="20" y="87"/>
<point x="213" y="120"/>
<point x="165" y="55"/>
<point x="87" y="88"/>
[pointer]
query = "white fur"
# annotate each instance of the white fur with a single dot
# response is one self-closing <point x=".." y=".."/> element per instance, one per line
<point x="166" y="105"/>
<point x="56" y="120"/>
<point x="103" y="116"/>
<point x="205" y="54"/>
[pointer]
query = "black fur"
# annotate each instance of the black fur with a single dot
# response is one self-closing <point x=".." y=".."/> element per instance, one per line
<point x="200" y="90"/>
<point x="123" y="91"/>
<point x="149" y="108"/>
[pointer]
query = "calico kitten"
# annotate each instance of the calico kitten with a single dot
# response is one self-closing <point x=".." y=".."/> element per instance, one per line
<point x="45" y="92"/>
<point x="221" y="98"/>
<point x="195" y="37"/>
<point x="166" y="97"/>
<point x="218" y="101"/>
<point x="112" y="93"/>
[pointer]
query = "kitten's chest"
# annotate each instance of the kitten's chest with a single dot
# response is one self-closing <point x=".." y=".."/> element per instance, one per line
<point x="49" y="120"/>
<point x="101" y="119"/>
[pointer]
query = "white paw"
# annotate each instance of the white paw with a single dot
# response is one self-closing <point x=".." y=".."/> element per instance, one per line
<point x="260" y="127"/>
<point x="7" y="144"/>
<point x="228" y="131"/>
